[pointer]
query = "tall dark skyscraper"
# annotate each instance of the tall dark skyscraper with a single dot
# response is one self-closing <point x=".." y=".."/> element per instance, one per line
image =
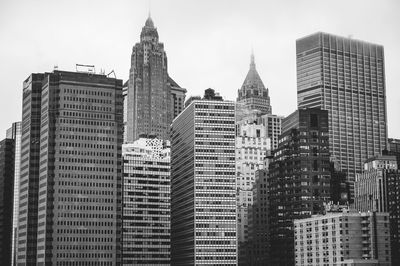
<point x="253" y="96"/>
<point x="299" y="180"/>
<point x="71" y="175"/>
<point x="203" y="183"/>
<point x="150" y="102"/>
<point x="7" y="151"/>
<point x="347" y="78"/>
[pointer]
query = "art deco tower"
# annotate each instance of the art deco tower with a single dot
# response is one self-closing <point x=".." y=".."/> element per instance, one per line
<point x="150" y="103"/>
<point x="253" y="95"/>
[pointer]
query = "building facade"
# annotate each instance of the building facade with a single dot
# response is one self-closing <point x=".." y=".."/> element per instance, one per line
<point x="252" y="145"/>
<point x="146" y="203"/>
<point x="299" y="180"/>
<point x="347" y="78"/>
<point x="377" y="189"/>
<point x="273" y="126"/>
<point x="343" y="238"/>
<point x="14" y="132"/>
<point x="203" y="184"/>
<point x="77" y="168"/>
<point x="253" y="96"/>
<point x="7" y="166"/>
<point x="151" y="105"/>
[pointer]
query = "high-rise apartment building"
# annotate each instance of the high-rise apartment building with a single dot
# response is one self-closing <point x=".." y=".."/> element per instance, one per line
<point x="343" y="238"/>
<point x="253" y="96"/>
<point x="14" y="132"/>
<point x="7" y="161"/>
<point x="74" y="149"/>
<point x="146" y="203"/>
<point x="252" y="146"/>
<point x="203" y="184"/>
<point x="273" y="125"/>
<point x="150" y="103"/>
<point x="378" y="189"/>
<point x="299" y="180"/>
<point x="347" y="78"/>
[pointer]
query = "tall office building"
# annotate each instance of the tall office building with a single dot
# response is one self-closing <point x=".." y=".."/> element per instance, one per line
<point x="146" y="203"/>
<point x="150" y="104"/>
<point x="178" y="95"/>
<point x="14" y="132"/>
<point x="29" y="173"/>
<point x="347" y="78"/>
<point x="253" y="96"/>
<point x="343" y="238"/>
<point x="378" y="189"/>
<point x="77" y="171"/>
<point x="252" y="146"/>
<point x="203" y="183"/>
<point x="299" y="180"/>
<point x="273" y="125"/>
<point x="7" y="160"/>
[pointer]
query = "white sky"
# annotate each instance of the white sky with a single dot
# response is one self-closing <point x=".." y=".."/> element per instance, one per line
<point x="208" y="42"/>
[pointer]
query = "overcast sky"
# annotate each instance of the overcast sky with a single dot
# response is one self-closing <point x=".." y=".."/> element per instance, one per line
<point x="208" y="42"/>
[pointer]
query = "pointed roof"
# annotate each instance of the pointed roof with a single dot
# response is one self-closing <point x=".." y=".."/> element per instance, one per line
<point x="149" y="22"/>
<point x="252" y="77"/>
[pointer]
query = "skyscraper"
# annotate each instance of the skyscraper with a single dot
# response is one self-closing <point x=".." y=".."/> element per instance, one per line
<point x="203" y="183"/>
<point x="150" y="104"/>
<point x="146" y="203"/>
<point x="7" y="151"/>
<point x="299" y="179"/>
<point x="347" y="78"/>
<point x="14" y="132"/>
<point x="253" y="96"/>
<point x="77" y="171"/>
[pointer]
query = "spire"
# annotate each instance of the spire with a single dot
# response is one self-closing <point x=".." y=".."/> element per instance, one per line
<point x="252" y="63"/>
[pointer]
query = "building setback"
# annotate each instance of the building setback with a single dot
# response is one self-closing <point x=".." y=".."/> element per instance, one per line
<point x="203" y="184"/>
<point x="153" y="98"/>
<point x="77" y="165"/>
<point x="299" y="180"/>
<point x="146" y="203"/>
<point x="14" y="132"/>
<point x="347" y="78"/>
<point x="7" y="164"/>
<point x="343" y="238"/>
<point x="377" y="189"/>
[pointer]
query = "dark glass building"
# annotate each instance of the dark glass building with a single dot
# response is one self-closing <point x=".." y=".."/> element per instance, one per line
<point x="346" y="77"/>
<point x="71" y="175"/>
<point x="7" y="153"/>
<point x="299" y="180"/>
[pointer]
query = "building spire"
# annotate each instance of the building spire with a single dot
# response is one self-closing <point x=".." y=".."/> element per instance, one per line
<point x="252" y="61"/>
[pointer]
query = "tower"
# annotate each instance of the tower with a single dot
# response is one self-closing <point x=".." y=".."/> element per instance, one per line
<point x="253" y="96"/>
<point x="347" y="78"/>
<point x="150" y="103"/>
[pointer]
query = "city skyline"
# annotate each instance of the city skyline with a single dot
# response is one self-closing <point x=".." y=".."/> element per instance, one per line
<point x="208" y="44"/>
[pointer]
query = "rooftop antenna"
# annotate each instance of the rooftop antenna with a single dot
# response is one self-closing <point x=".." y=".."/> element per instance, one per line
<point x="149" y="8"/>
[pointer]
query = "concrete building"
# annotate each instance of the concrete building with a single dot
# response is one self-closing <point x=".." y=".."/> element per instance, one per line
<point x="253" y="96"/>
<point x="203" y="184"/>
<point x="394" y="145"/>
<point x="343" y="238"/>
<point x="71" y="173"/>
<point x="252" y="145"/>
<point x="7" y="166"/>
<point x="378" y="189"/>
<point x="346" y="77"/>
<point x="273" y="125"/>
<point x="153" y="97"/>
<point x="14" y="132"/>
<point x="299" y="180"/>
<point x="146" y="203"/>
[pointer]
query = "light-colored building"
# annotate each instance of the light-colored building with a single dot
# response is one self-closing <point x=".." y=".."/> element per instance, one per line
<point x="146" y="202"/>
<point x="203" y="183"/>
<point x="346" y="77"/>
<point x="273" y="126"/>
<point x="14" y="132"/>
<point x="343" y="238"/>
